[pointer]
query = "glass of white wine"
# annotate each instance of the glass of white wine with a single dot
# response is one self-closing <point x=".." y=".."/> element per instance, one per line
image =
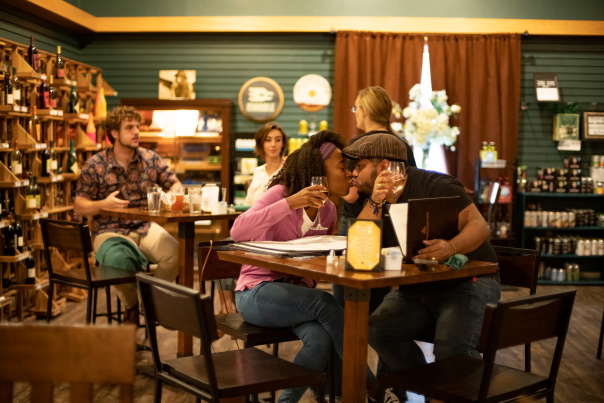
<point x="399" y="170"/>
<point x="321" y="181"/>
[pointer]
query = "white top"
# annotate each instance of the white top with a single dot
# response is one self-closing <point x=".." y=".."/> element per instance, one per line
<point x="259" y="185"/>
<point x="307" y="223"/>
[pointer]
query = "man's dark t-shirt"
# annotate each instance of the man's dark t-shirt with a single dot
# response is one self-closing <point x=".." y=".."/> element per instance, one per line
<point x="423" y="184"/>
<point x="352" y="210"/>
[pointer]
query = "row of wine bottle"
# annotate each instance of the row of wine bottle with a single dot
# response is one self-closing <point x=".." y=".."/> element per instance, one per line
<point x="13" y="242"/>
<point x="33" y="60"/>
<point x="50" y="162"/>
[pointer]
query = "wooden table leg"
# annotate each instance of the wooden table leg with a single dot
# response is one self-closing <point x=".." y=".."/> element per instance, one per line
<point x="186" y="258"/>
<point x="356" y="325"/>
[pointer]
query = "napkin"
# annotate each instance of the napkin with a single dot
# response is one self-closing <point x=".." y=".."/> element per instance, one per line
<point x="456" y="262"/>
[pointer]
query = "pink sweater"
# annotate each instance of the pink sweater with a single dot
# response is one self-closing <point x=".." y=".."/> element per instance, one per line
<point x="271" y="219"/>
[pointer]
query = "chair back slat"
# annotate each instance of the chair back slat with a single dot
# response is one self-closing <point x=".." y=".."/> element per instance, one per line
<point x="215" y="268"/>
<point x="41" y="392"/>
<point x="67" y="354"/>
<point x="66" y="235"/>
<point x="6" y="391"/>
<point x="80" y="392"/>
<point x="518" y="267"/>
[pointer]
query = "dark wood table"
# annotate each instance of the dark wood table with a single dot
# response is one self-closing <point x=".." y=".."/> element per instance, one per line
<point x="356" y="295"/>
<point x="186" y="247"/>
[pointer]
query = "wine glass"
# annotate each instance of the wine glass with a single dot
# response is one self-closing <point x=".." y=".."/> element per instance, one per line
<point x="399" y="171"/>
<point x="321" y="181"/>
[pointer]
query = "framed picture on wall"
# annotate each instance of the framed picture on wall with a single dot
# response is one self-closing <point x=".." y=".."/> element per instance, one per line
<point x="593" y="125"/>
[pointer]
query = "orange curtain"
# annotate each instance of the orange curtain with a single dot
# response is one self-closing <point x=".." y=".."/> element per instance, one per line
<point x="481" y="73"/>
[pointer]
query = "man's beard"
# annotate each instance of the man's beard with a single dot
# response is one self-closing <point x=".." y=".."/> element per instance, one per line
<point x="365" y="190"/>
<point x="127" y="145"/>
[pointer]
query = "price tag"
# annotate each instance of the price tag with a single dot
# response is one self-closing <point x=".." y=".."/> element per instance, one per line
<point x="25" y="182"/>
<point x="4" y="145"/>
<point x="23" y="256"/>
<point x="60" y="113"/>
<point x="98" y="146"/>
<point x="83" y="116"/>
<point x="36" y="216"/>
<point x="2" y="298"/>
<point x="53" y="113"/>
<point x="38" y="286"/>
<point x="40" y="146"/>
<point x="59" y="177"/>
<point x="44" y="215"/>
<point x="24" y="109"/>
<point x="2" y="224"/>
<point x="16" y="108"/>
<point x="43" y="76"/>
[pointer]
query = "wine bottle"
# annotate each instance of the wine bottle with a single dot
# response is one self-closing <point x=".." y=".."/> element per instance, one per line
<point x="43" y="95"/>
<point x="18" y="234"/>
<point x="7" y="282"/>
<point x="35" y="125"/>
<point x="30" y="196"/>
<point x="52" y="94"/>
<point x="11" y="205"/>
<point x="16" y="88"/>
<point x="8" y="89"/>
<point x="38" y="195"/>
<point x="72" y="161"/>
<point x="9" y="236"/>
<point x="3" y="212"/>
<point x="32" y="55"/>
<point x="60" y="65"/>
<point x="73" y="101"/>
<point x="100" y="104"/>
<point x="46" y="162"/>
<point x="91" y="128"/>
<point x="26" y="169"/>
<point x="30" y="264"/>
<point x="53" y="158"/>
<point x="16" y="160"/>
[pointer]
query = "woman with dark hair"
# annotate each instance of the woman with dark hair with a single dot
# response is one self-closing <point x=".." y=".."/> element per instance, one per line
<point x="292" y="209"/>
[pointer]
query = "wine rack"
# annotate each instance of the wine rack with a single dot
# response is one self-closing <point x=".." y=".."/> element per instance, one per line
<point x="63" y="121"/>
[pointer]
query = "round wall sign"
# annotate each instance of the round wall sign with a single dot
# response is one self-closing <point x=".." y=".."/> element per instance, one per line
<point x="261" y="99"/>
<point x="312" y="92"/>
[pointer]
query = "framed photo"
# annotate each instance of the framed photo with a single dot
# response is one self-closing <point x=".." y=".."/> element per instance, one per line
<point x="593" y="125"/>
<point x="177" y="84"/>
<point x="566" y="126"/>
<point x="546" y="87"/>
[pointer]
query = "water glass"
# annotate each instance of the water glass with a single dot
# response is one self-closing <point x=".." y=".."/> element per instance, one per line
<point x="154" y="199"/>
<point x="195" y="200"/>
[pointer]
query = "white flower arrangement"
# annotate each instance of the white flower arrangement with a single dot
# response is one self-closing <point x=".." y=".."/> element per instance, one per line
<point x="426" y="126"/>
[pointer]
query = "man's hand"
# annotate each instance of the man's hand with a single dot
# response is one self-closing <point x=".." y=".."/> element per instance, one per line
<point x="302" y="284"/>
<point x="112" y="201"/>
<point x="384" y="184"/>
<point x="437" y="248"/>
<point x="308" y="197"/>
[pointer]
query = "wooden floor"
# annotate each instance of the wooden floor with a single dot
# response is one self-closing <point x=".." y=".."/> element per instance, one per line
<point x="581" y="376"/>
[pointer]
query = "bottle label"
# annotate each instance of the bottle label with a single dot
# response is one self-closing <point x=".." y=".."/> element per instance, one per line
<point x="9" y="99"/>
<point x="31" y="272"/>
<point x="60" y="73"/>
<point x="17" y="169"/>
<point x="74" y="168"/>
<point x="31" y="202"/>
<point x="53" y="103"/>
<point x="46" y="99"/>
<point x="16" y="95"/>
<point x="38" y="202"/>
<point x="53" y="165"/>
<point x="20" y="242"/>
<point x="16" y="241"/>
<point x="35" y="66"/>
<point x="48" y="166"/>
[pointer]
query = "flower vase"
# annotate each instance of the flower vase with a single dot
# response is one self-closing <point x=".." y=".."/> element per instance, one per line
<point x="425" y="155"/>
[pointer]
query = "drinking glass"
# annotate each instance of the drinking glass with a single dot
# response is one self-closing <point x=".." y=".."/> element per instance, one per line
<point x="224" y="190"/>
<point x="399" y="171"/>
<point x="195" y="200"/>
<point x="154" y="199"/>
<point x="322" y="181"/>
<point x="179" y="200"/>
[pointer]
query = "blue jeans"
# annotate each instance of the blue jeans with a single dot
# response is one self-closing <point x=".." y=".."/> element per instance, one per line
<point x="455" y="315"/>
<point x="314" y="315"/>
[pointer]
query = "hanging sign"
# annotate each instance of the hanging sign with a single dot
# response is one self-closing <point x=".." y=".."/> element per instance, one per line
<point x="312" y="92"/>
<point x="261" y="99"/>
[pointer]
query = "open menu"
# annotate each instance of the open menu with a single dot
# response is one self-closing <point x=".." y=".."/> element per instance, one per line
<point x="319" y="245"/>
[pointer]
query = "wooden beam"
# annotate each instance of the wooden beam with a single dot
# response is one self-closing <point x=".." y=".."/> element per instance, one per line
<point x="327" y="24"/>
<point x="59" y="12"/>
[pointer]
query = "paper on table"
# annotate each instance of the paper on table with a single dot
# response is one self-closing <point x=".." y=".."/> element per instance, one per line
<point x="319" y="243"/>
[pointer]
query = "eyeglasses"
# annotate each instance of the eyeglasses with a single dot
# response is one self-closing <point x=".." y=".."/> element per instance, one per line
<point x="355" y="108"/>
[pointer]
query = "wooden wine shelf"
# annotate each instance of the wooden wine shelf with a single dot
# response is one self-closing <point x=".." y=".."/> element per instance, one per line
<point x="90" y="148"/>
<point x="70" y="177"/>
<point x="17" y="184"/>
<point x="34" y="216"/>
<point x="57" y="210"/>
<point x="15" y="259"/>
<point x="51" y="179"/>
<point x="31" y="287"/>
<point x="197" y="167"/>
<point x="4" y="223"/>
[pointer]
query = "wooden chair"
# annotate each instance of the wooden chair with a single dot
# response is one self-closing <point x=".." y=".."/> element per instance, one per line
<point x="599" y="353"/>
<point x="517" y="268"/>
<point x="79" y="355"/>
<point x="510" y="323"/>
<point x="76" y="237"/>
<point x="232" y="323"/>
<point x="211" y="376"/>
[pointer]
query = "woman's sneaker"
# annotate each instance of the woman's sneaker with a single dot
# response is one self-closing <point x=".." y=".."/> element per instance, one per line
<point x="389" y="398"/>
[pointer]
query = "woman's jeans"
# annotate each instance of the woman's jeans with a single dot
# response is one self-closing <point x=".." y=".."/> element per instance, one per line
<point x="314" y="315"/>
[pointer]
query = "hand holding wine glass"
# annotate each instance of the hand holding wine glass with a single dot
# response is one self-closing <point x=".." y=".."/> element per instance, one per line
<point x="320" y="181"/>
<point x="399" y="173"/>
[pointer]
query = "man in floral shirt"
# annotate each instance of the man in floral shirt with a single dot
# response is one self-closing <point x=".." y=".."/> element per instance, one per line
<point x="128" y="168"/>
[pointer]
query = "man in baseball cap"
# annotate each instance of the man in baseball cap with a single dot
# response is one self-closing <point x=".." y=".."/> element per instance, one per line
<point x="454" y="309"/>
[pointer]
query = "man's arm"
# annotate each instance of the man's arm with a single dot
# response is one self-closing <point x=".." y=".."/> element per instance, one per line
<point x="473" y="232"/>
<point x="84" y="206"/>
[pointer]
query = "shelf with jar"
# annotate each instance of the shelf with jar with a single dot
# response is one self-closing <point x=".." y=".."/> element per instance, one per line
<point x="52" y="112"/>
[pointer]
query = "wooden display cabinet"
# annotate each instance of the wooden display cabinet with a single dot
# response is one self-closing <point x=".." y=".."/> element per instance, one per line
<point x="57" y="190"/>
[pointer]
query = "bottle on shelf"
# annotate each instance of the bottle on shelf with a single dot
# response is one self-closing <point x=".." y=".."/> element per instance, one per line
<point x="7" y="283"/>
<point x="16" y="160"/>
<point x="30" y="264"/>
<point x="3" y="212"/>
<point x="30" y="196"/>
<point x="72" y="161"/>
<point x="53" y="158"/>
<point x="11" y="205"/>
<point x="52" y="94"/>
<point x="35" y="125"/>
<point x="18" y="234"/>
<point x="100" y="104"/>
<point x="91" y="128"/>
<point x="9" y="237"/>
<point x="73" y="101"/>
<point x="46" y="162"/>
<point x="32" y="55"/>
<point x="43" y="95"/>
<point x="38" y="195"/>
<point x="16" y="88"/>
<point x="8" y="90"/>
<point x="59" y="65"/>
<point x="26" y="169"/>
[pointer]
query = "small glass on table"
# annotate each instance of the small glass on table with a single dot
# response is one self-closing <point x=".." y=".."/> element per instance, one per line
<point x="179" y="200"/>
<point x="195" y="200"/>
<point x="154" y="199"/>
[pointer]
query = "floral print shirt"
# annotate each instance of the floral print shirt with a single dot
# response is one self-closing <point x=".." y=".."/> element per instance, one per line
<point x="103" y="175"/>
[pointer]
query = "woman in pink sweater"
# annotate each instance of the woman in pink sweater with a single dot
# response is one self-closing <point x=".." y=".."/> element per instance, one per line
<point x="292" y="209"/>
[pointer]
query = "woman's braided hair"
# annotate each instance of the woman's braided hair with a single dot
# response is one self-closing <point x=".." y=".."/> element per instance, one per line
<point x="305" y="163"/>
